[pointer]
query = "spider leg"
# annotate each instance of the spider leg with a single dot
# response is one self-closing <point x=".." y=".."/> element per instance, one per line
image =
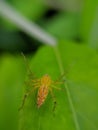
<point x="53" y="86"/>
<point x="25" y="97"/>
<point x="61" y="77"/>
<point x="30" y="74"/>
<point x="33" y="82"/>
<point x="36" y="80"/>
<point x="54" y="99"/>
<point x="54" y="83"/>
<point x="58" y="82"/>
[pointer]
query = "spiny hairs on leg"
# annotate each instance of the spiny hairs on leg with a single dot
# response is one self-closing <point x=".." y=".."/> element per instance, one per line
<point x="23" y="102"/>
<point x="26" y="95"/>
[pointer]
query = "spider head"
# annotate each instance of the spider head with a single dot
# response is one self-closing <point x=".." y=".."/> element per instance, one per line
<point x="46" y="80"/>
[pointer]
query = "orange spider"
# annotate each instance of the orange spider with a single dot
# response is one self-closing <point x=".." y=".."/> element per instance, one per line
<point x="44" y="85"/>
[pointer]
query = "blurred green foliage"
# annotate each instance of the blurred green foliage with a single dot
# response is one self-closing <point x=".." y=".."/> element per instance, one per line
<point x="77" y="32"/>
<point x="82" y="83"/>
<point x="89" y="15"/>
<point x="11" y="82"/>
<point x="62" y="22"/>
<point x="33" y="9"/>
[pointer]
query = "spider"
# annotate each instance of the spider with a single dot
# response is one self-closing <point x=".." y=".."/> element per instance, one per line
<point x="45" y="85"/>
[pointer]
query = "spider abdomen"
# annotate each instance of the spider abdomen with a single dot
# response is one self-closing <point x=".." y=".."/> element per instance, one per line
<point x="42" y="95"/>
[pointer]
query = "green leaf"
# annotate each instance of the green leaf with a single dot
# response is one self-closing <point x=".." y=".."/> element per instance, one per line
<point x="32" y="9"/>
<point x="63" y="26"/>
<point x="78" y="102"/>
<point x="89" y="22"/>
<point x="11" y="82"/>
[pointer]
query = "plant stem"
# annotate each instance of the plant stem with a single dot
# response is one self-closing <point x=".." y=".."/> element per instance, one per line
<point x="57" y="53"/>
<point x="7" y="12"/>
